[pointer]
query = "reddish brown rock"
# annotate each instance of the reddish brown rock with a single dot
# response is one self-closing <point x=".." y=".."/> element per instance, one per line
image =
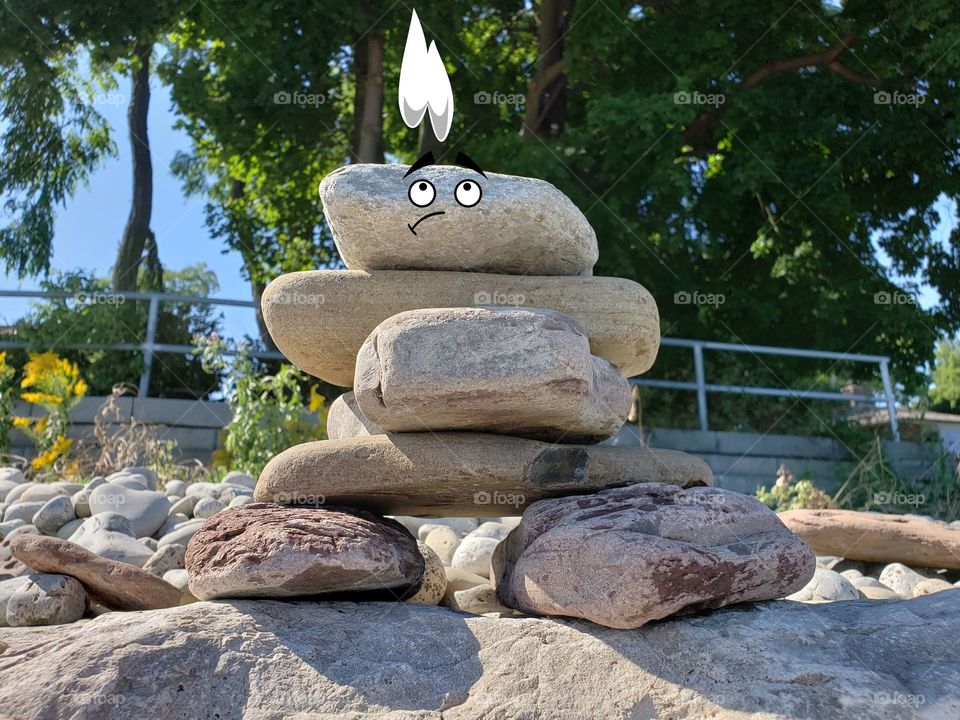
<point x="626" y="556"/>
<point x="876" y="537"/>
<point x="265" y="550"/>
<point x="113" y="584"/>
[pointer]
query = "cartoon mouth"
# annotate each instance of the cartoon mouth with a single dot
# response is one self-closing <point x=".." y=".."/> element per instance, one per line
<point x="413" y="228"/>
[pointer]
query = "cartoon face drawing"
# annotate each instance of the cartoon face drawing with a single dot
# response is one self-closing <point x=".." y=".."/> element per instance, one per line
<point x="422" y="193"/>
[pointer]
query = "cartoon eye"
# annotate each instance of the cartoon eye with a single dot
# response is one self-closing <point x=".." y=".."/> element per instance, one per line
<point x="468" y="193"/>
<point x="422" y="193"/>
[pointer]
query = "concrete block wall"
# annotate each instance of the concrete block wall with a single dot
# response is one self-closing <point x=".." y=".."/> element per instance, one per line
<point x="194" y="425"/>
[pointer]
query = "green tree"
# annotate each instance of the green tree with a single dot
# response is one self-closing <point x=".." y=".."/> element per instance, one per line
<point x="945" y="393"/>
<point x="54" y="57"/>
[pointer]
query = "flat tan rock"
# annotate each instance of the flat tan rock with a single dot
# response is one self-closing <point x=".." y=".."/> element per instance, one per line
<point x="443" y="217"/>
<point x="320" y="319"/>
<point x="629" y="555"/>
<point x="113" y="584"/>
<point x="344" y="419"/>
<point x="460" y="474"/>
<point x="517" y="371"/>
<point x="876" y="537"/>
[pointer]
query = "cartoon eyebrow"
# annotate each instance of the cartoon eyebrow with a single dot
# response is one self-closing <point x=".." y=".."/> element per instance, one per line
<point x="426" y="159"/>
<point x="464" y="160"/>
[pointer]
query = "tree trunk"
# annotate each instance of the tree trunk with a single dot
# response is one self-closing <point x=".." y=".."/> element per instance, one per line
<point x="257" y="286"/>
<point x="545" y="114"/>
<point x="137" y="230"/>
<point x="368" y="99"/>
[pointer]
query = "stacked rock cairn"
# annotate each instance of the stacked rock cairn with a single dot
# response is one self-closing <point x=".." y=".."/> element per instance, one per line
<point x="488" y="365"/>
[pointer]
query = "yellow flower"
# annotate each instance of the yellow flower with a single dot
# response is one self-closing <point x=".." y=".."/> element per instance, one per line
<point x="80" y="388"/>
<point x="316" y="399"/>
<point x="22" y="422"/>
<point x="61" y="446"/>
<point x="41" y="398"/>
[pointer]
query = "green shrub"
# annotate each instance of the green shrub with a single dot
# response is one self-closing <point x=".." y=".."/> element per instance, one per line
<point x="271" y="412"/>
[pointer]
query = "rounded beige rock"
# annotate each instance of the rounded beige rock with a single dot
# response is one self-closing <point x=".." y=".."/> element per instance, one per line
<point x="519" y="225"/>
<point x="517" y="371"/>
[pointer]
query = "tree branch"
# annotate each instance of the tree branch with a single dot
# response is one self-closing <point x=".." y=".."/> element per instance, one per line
<point x="828" y="59"/>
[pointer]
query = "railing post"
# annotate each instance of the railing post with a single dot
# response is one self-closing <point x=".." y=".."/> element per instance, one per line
<point x="891" y="401"/>
<point x="150" y="340"/>
<point x="701" y="385"/>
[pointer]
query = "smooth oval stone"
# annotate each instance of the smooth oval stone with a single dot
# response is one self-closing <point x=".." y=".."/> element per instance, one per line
<point x="320" y="319"/>
<point x="264" y="550"/>
<point x="23" y="510"/>
<point x="176" y="488"/>
<point x="466" y="474"/>
<point x="626" y="556"/>
<point x="149" y="475"/>
<point x="208" y="507"/>
<point x="901" y="579"/>
<point x="235" y="477"/>
<point x="54" y="514"/>
<point x="434" y="582"/>
<point x="520" y="226"/>
<point x="12" y="474"/>
<point x="46" y="599"/>
<point x="110" y="536"/>
<point x="826" y="586"/>
<point x="517" y="371"/>
<point x="344" y="419"/>
<point x="182" y="533"/>
<point x="145" y="509"/>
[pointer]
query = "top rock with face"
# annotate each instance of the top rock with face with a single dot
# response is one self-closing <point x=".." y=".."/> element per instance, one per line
<point x="446" y="217"/>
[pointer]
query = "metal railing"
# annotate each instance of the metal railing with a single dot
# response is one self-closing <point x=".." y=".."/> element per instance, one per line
<point x="150" y="347"/>
<point x="702" y="387"/>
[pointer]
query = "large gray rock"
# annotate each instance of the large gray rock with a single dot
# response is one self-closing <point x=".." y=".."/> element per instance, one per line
<point x="145" y="509"/>
<point x="46" y="599"/>
<point x="13" y="475"/>
<point x="319" y="319"/>
<point x="460" y="473"/>
<point x="267" y="660"/>
<point x="486" y="224"/>
<point x="626" y="556"/>
<point x="517" y="371"/>
<point x="110" y="536"/>
<point x="344" y="419"/>
<point x="263" y="550"/>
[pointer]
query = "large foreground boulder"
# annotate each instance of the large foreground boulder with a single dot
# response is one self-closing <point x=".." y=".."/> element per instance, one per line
<point x="267" y="660"/>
